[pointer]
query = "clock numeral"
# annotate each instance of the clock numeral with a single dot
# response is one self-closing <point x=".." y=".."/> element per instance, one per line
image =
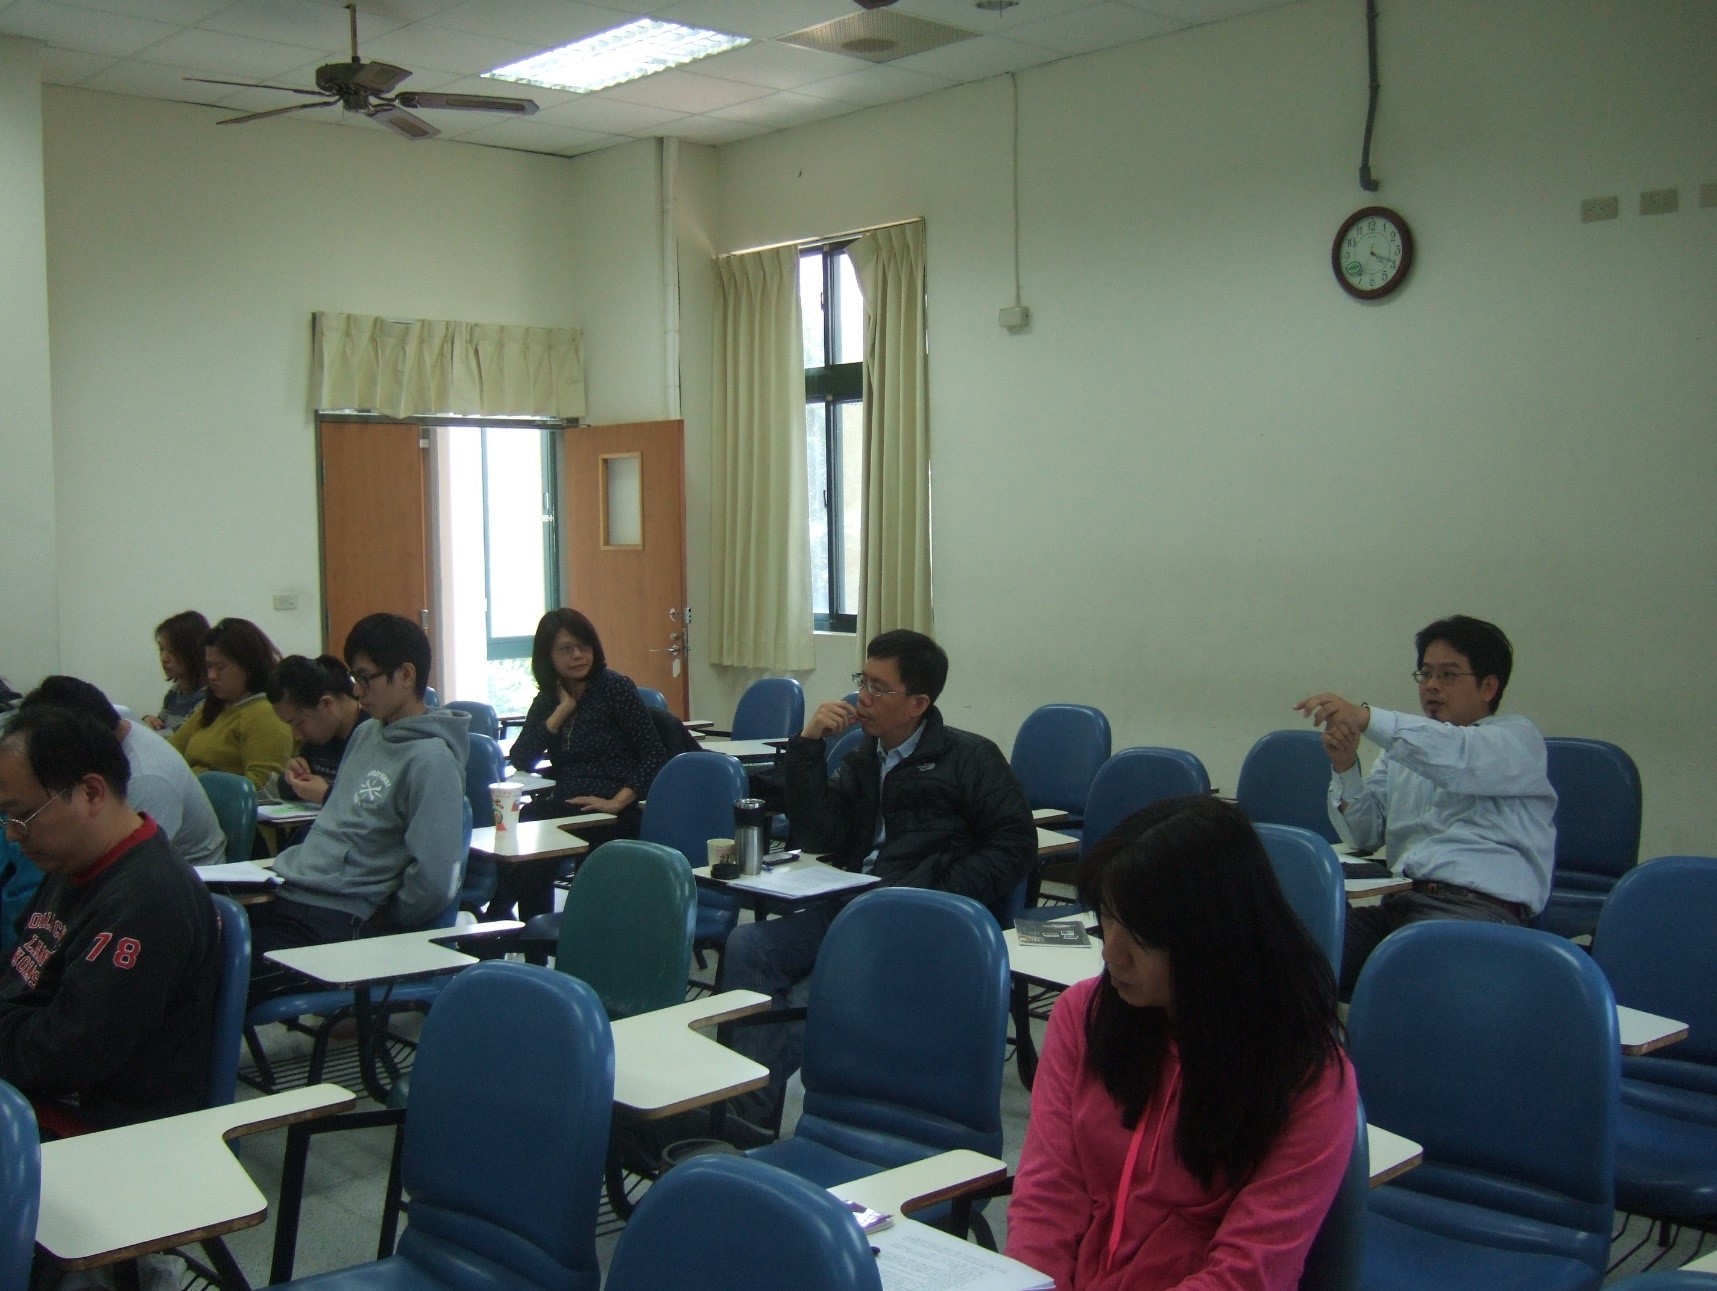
<point x="1354" y="268"/>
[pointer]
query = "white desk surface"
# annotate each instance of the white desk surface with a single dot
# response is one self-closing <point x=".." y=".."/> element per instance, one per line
<point x="744" y="750"/>
<point x="1391" y="1155"/>
<point x="1704" y="1264"/>
<point x="103" y="1194"/>
<point x="1053" y="965"/>
<point x="1050" y="843"/>
<point x="699" y="724"/>
<point x="537" y="840"/>
<point x="923" y="1183"/>
<point x="1044" y="817"/>
<point x="1643" y="1032"/>
<point x="386" y="959"/>
<point x="662" y="1066"/>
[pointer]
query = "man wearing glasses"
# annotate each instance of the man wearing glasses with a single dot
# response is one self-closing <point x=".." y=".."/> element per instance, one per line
<point x="917" y="803"/>
<point x="389" y="844"/>
<point x="1460" y="796"/>
<point x="107" y="1005"/>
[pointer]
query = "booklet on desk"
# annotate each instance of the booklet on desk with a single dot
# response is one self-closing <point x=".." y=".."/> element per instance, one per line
<point x="1058" y="932"/>
<point x="810" y="879"/>
<point x="245" y="874"/>
<point x="914" y="1257"/>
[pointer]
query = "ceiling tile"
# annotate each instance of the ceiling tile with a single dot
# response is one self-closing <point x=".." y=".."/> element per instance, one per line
<point x="543" y="97"/>
<point x="711" y="130"/>
<point x="779" y="111"/>
<point x="780" y="67"/>
<point x="423" y="45"/>
<point x="1191" y="12"/>
<point x="151" y="81"/>
<point x="183" y="13"/>
<point x="879" y="83"/>
<point x="67" y="67"/>
<point x="1102" y="26"/>
<point x="967" y="16"/>
<point x="597" y="144"/>
<point x="532" y="136"/>
<point x="973" y="60"/>
<point x="680" y="91"/>
<point x="760" y="19"/>
<point x="611" y="116"/>
<point x="67" y="27"/>
<point x="300" y="22"/>
<point x="237" y="58"/>
<point x="403" y="10"/>
<point x="542" y="23"/>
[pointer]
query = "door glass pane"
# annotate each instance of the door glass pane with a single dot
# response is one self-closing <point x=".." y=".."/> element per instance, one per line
<point x="852" y="501"/>
<point x="513" y="459"/>
<point x="817" y="485"/>
<point x="622" y="501"/>
<point x="811" y="307"/>
<point x="849" y="322"/>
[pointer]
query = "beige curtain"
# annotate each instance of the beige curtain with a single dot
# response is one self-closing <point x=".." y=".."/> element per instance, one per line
<point x="895" y="578"/>
<point x="760" y="559"/>
<point x="424" y="367"/>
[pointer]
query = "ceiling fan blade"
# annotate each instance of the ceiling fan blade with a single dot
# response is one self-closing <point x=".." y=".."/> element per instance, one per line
<point x="377" y="78"/>
<point x="251" y="85"/>
<point x="468" y="103"/>
<point x="402" y="122"/>
<point x="273" y="112"/>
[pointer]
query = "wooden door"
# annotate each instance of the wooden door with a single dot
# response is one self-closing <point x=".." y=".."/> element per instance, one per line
<point x="373" y="480"/>
<point x="624" y="522"/>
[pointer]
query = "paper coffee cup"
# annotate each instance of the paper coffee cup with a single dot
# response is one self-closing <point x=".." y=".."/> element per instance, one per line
<point x="505" y="796"/>
<point x="719" y="850"/>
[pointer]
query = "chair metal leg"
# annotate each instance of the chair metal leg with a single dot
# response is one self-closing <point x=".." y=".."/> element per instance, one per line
<point x="614" y="1179"/>
<point x="229" y="1274"/>
<point x="291" y="1204"/>
<point x="1025" y="1046"/>
<point x="264" y="1069"/>
<point x="393" y="1203"/>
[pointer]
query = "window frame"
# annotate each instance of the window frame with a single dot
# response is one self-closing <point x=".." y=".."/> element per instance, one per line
<point x="832" y="385"/>
<point x="520" y="647"/>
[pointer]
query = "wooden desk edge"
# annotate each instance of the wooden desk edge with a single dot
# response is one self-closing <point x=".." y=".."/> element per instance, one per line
<point x="1399" y="1169"/>
<point x="151" y="1247"/>
<point x="950" y="1191"/>
<point x="692" y="1104"/>
<point x="729" y="1014"/>
<point x="333" y="1107"/>
<point x="1658" y="1042"/>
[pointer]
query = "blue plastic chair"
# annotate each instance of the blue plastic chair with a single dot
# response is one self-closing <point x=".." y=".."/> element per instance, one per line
<point x="731" y="1224"/>
<point x="484" y="720"/>
<point x="1285" y="781"/>
<point x="1598" y="809"/>
<point x="1654" y="943"/>
<point x="21" y="1188"/>
<point x="1496" y="1048"/>
<point x="841" y="746"/>
<point x="1311" y="878"/>
<point x="770" y="708"/>
<point x="1333" y="1262"/>
<point x="653" y="698"/>
<point x="1057" y="753"/>
<point x="484" y="766"/>
<point x="430" y="699"/>
<point x="505" y="1137"/>
<point x="1135" y="778"/>
<point x="691" y="801"/>
<point x="229" y="1001"/>
<point x="234" y="799"/>
<point x="904" y="1033"/>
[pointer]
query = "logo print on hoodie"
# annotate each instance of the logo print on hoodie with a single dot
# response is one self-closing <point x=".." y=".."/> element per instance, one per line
<point x="373" y="789"/>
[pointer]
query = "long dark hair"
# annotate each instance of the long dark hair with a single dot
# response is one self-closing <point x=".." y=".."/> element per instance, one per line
<point x="550" y="626"/>
<point x="306" y="681"/>
<point x="249" y="647"/>
<point x="181" y="635"/>
<point x="1253" y="1009"/>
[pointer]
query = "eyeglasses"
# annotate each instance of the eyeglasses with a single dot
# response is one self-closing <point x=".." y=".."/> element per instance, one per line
<point x="875" y="689"/>
<point x="19" y="830"/>
<point x="368" y="679"/>
<point x="1442" y="676"/>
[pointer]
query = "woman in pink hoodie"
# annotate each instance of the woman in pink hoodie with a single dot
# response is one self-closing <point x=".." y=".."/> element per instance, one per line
<point x="1193" y="1111"/>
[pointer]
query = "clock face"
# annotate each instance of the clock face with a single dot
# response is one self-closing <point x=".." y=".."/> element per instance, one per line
<point x="1372" y="253"/>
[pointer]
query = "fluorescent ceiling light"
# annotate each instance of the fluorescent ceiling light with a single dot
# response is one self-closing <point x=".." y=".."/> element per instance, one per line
<point x="623" y="54"/>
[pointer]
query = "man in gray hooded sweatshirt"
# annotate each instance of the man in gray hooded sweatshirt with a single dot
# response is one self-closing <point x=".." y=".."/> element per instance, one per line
<point x="389" y="845"/>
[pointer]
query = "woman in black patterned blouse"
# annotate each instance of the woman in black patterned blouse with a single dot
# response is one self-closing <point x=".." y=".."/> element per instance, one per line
<point x="602" y="747"/>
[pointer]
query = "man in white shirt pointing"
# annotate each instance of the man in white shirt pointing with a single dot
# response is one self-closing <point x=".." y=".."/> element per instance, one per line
<point x="1459" y="797"/>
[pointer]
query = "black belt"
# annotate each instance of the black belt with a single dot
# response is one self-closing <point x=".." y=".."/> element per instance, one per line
<point x="1516" y="908"/>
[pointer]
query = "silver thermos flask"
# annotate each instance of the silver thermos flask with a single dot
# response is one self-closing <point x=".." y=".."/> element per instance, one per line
<point x="750" y="834"/>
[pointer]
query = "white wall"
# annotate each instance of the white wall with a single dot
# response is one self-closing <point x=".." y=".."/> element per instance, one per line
<point x="29" y="631"/>
<point x="1205" y="483"/>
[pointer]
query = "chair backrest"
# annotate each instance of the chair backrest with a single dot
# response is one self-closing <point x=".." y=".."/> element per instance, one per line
<point x="483" y="767"/>
<point x="484" y="720"/>
<point x="1654" y="943"/>
<point x="1496" y="1048"/>
<point x="770" y="708"/>
<point x="628" y="926"/>
<point x="691" y="801"/>
<point x="1598" y="806"/>
<point x="843" y="745"/>
<point x="518" y="1063"/>
<point x="653" y="698"/>
<point x="1285" y="781"/>
<point x="229" y="1001"/>
<point x="672" y="732"/>
<point x="1057" y="753"/>
<point x="21" y="1188"/>
<point x="1135" y="778"/>
<point x="430" y="698"/>
<point x="720" y="1222"/>
<point x="1333" y="1262"/>
<point x="906" y="1024"/>
<point x="234" y="799"/>
<point x="1311" y="878"/>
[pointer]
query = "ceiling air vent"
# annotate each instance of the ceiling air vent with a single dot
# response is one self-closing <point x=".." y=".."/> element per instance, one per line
<point x="879" y="35"/>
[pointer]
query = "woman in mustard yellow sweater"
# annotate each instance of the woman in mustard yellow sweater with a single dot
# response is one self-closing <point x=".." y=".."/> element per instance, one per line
<point x="235" y="729"/>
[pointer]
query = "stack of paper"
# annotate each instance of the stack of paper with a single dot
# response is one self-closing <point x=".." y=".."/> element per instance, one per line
<point x="247" y="873"/>
<point x="914" y="1257"/>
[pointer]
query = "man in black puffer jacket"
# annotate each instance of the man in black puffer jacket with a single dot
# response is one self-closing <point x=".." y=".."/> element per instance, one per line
<point x="917" y="803"/>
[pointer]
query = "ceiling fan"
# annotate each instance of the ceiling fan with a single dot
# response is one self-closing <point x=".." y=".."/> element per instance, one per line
<point x="368" y="88"/>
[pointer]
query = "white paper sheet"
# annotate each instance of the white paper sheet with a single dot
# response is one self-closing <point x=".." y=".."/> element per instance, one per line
<point x="237" y="872"/>
<point x="917" y="1258"/>
<point x="286" y="813"/>
<point x="806" y="879"/>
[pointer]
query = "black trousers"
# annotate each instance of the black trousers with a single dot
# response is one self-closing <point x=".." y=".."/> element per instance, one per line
<point x="1367" y="926"/>
<point x="284" y="924"/>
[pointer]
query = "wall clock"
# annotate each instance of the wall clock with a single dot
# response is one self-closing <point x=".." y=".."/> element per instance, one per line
<point x="1372" y="253"/>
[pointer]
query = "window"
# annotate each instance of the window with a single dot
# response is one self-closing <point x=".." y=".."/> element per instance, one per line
<point x="833" y="310"/>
